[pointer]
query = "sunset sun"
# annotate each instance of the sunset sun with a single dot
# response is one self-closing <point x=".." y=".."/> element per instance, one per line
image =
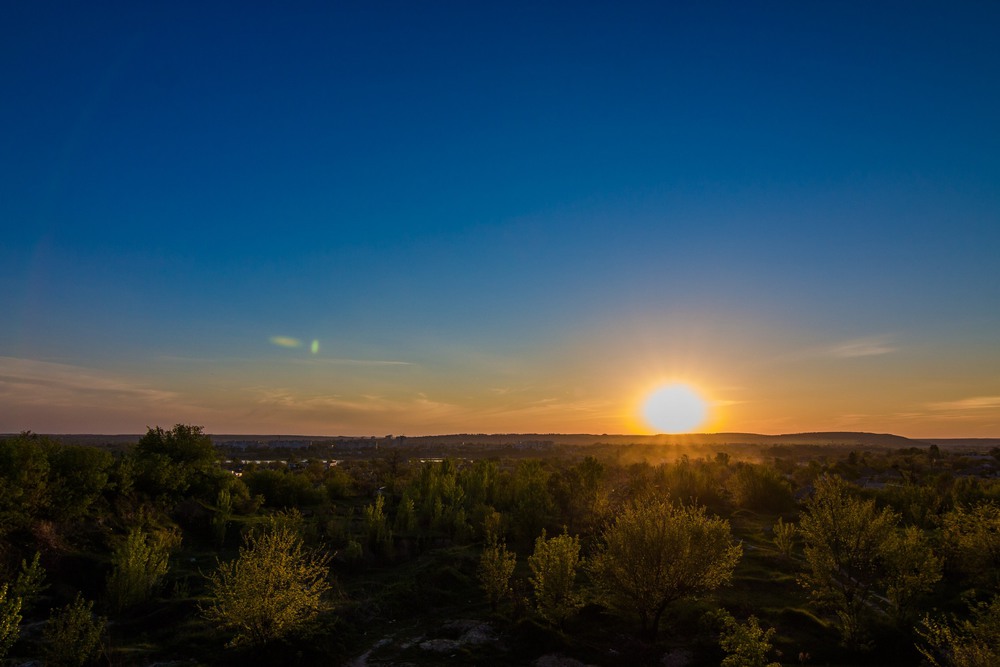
<point x="674" y="408"/>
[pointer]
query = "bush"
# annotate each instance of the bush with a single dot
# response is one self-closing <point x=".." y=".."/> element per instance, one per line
<point x="784" y="537"/>
<point x="72" y="636"/>
<point x="746" y="644"/>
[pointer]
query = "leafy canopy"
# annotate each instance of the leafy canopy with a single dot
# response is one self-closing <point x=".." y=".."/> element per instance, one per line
<point x="273" y="588"/>
<point x="655" y="552"/>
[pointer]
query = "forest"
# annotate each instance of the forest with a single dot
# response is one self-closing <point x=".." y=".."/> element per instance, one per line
<point x="173" y="550"/>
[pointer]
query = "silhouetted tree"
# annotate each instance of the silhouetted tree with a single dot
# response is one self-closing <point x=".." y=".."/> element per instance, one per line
<point x="175" y="462"/>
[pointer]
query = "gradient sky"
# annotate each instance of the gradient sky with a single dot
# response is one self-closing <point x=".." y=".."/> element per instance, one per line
<point x="506" y="217"/>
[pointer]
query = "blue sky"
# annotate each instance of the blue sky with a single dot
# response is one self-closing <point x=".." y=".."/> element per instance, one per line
<point x="517" y="217"/>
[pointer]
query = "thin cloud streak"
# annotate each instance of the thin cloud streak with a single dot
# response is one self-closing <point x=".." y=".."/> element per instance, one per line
<point x="337" y="405"/>
<point x="33" y="382"/>
<point x="336" y="361"/>
<point x="964" y="404"/>
<point x="862" y="347"/>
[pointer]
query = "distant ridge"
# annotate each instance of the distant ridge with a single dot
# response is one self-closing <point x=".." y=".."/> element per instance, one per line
<point x="842" y="438"/>
<point x="965" y="442"/>
<point x="821" y="438"/>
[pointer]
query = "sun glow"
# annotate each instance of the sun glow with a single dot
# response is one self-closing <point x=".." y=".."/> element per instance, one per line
<point x="674" y="408"/>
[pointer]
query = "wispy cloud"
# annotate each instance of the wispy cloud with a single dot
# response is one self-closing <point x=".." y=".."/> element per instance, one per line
<point x="547" y="409"/>
<point x="968" y="404"/>
<point x="335" y="405"/>
<point x="725" y="402"/>
<point x="33" y="382"/>
<point x="862" y="347"/>
<point x="336" y="361"/>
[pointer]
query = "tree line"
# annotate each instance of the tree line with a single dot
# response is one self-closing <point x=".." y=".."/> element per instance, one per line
<point x="90" y="539"/>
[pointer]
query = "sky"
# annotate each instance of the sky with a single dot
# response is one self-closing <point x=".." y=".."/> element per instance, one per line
<point x="441" y="217"/>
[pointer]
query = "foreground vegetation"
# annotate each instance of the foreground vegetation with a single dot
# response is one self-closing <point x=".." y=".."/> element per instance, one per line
<point x="168" y="552"/>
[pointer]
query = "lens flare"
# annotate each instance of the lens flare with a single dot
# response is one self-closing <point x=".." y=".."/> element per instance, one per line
<point x="285" y="341"/>
<point x="314" y="347"/>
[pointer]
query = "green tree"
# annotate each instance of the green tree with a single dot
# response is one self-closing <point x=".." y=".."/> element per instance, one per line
<point x="496" y="564"/>
<point x="911" y="570"/>
<point x="30" y="582"/>
<point x="533" y="503"/>
<point x="10" y="619"/>
<point x="406" y="515"/>
<point x="282" y="488"/>
<point x="655" y="553"/>
<point x="24" y="481"/>
<point x="184" y="445"/>
<point x="176" y="462"/>
<point x="77" y="478"/>
<point x="554" y="565"/>
<point x="440" y="499"/>
<point x="691" y="482"/>
<point x="746" y="644"/>
<point x="273" y="588"/>
<point x="72" y="635"/>
<point x="223" y="513"/>
<point x="972" y="642"/>
<point x="845" y="541"/>
<point x="140" y="562"/>
<point x="579" y="495"/>
<point x="760" y="487"/>
<point x="481" y="482"/>
<point x="377" y="527"/>
<point x="971" y="536"/>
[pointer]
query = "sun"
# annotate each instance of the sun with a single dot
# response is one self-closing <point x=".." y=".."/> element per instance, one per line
<point x="674" y="408"/>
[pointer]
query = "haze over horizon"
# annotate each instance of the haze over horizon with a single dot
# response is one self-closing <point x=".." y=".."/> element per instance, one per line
<point x="457" y="218"/>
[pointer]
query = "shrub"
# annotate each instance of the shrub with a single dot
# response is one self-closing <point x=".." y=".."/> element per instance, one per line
<point x="72" y="636"/>
<point x="746" y="644"/>
<point x="784" y="537"/>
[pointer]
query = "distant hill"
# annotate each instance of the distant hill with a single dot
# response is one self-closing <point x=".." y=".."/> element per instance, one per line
<point x="841" y="438"/>
<point x="964" y="442"/>
<point x="826" y="438"/>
